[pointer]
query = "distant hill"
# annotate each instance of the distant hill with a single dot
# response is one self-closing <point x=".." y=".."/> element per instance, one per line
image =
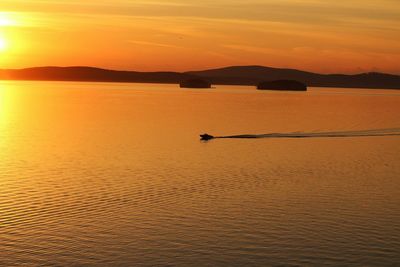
<point x="236" y="75"/>
<point x="252" y="75"/>
<point x="91" y="74"/>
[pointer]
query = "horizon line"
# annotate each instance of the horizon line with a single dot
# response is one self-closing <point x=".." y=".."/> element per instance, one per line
<point x="197" y="70"/>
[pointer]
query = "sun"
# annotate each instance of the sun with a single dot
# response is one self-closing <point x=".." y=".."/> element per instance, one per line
<point x="8" y="23"/>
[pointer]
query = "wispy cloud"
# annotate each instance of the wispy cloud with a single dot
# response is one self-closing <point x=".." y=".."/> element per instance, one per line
<point x="144" y="43"/>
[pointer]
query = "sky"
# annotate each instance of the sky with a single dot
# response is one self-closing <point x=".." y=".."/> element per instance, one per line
<point x="326" y="36"/>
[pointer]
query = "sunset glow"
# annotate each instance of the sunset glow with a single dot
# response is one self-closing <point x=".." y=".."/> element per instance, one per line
<point x="199" y="133"/>
<point x="343" y="36"/>
<point x="6" y="20"/>
<point x="3" y="44"/>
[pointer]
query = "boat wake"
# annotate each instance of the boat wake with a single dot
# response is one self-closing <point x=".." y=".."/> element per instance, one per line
<point x="363" y="133"/>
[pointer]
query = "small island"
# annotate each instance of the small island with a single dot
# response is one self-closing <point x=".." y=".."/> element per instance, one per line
<point x="282" y="85"/>
<point x="195" y="83"/>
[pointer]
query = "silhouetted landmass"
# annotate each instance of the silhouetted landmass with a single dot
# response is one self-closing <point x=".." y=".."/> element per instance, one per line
<point x="282" y="85"/>
<point x="237" y="75"/>
<point x="252" y="75"/>
<point x="195" y="83"/>
<point x="92" y="74"/>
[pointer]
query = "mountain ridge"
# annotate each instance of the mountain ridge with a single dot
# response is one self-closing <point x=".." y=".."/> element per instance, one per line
<point x="230" y="75"/>
<point x="255" y="74"/>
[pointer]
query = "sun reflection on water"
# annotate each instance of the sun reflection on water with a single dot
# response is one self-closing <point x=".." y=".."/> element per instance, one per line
<point x="4" y="103"/>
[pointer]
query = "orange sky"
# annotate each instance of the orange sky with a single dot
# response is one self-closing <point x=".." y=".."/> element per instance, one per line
<point x="316" y="35"/>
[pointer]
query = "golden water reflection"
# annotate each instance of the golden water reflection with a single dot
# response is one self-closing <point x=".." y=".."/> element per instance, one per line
<point x="115" y="174"/>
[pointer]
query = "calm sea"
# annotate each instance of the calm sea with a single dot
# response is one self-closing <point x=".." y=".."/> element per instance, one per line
<point x="115" y="175"/>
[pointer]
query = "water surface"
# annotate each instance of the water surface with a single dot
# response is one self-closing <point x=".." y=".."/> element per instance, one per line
<point x="115" y="174"/>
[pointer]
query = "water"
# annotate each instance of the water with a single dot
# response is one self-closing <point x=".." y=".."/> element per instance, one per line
<point x="115" y="174"/>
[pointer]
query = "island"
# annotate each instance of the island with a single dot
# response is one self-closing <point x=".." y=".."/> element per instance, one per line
<point x="282" y="85"/>
<point x="195" y="83"/>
